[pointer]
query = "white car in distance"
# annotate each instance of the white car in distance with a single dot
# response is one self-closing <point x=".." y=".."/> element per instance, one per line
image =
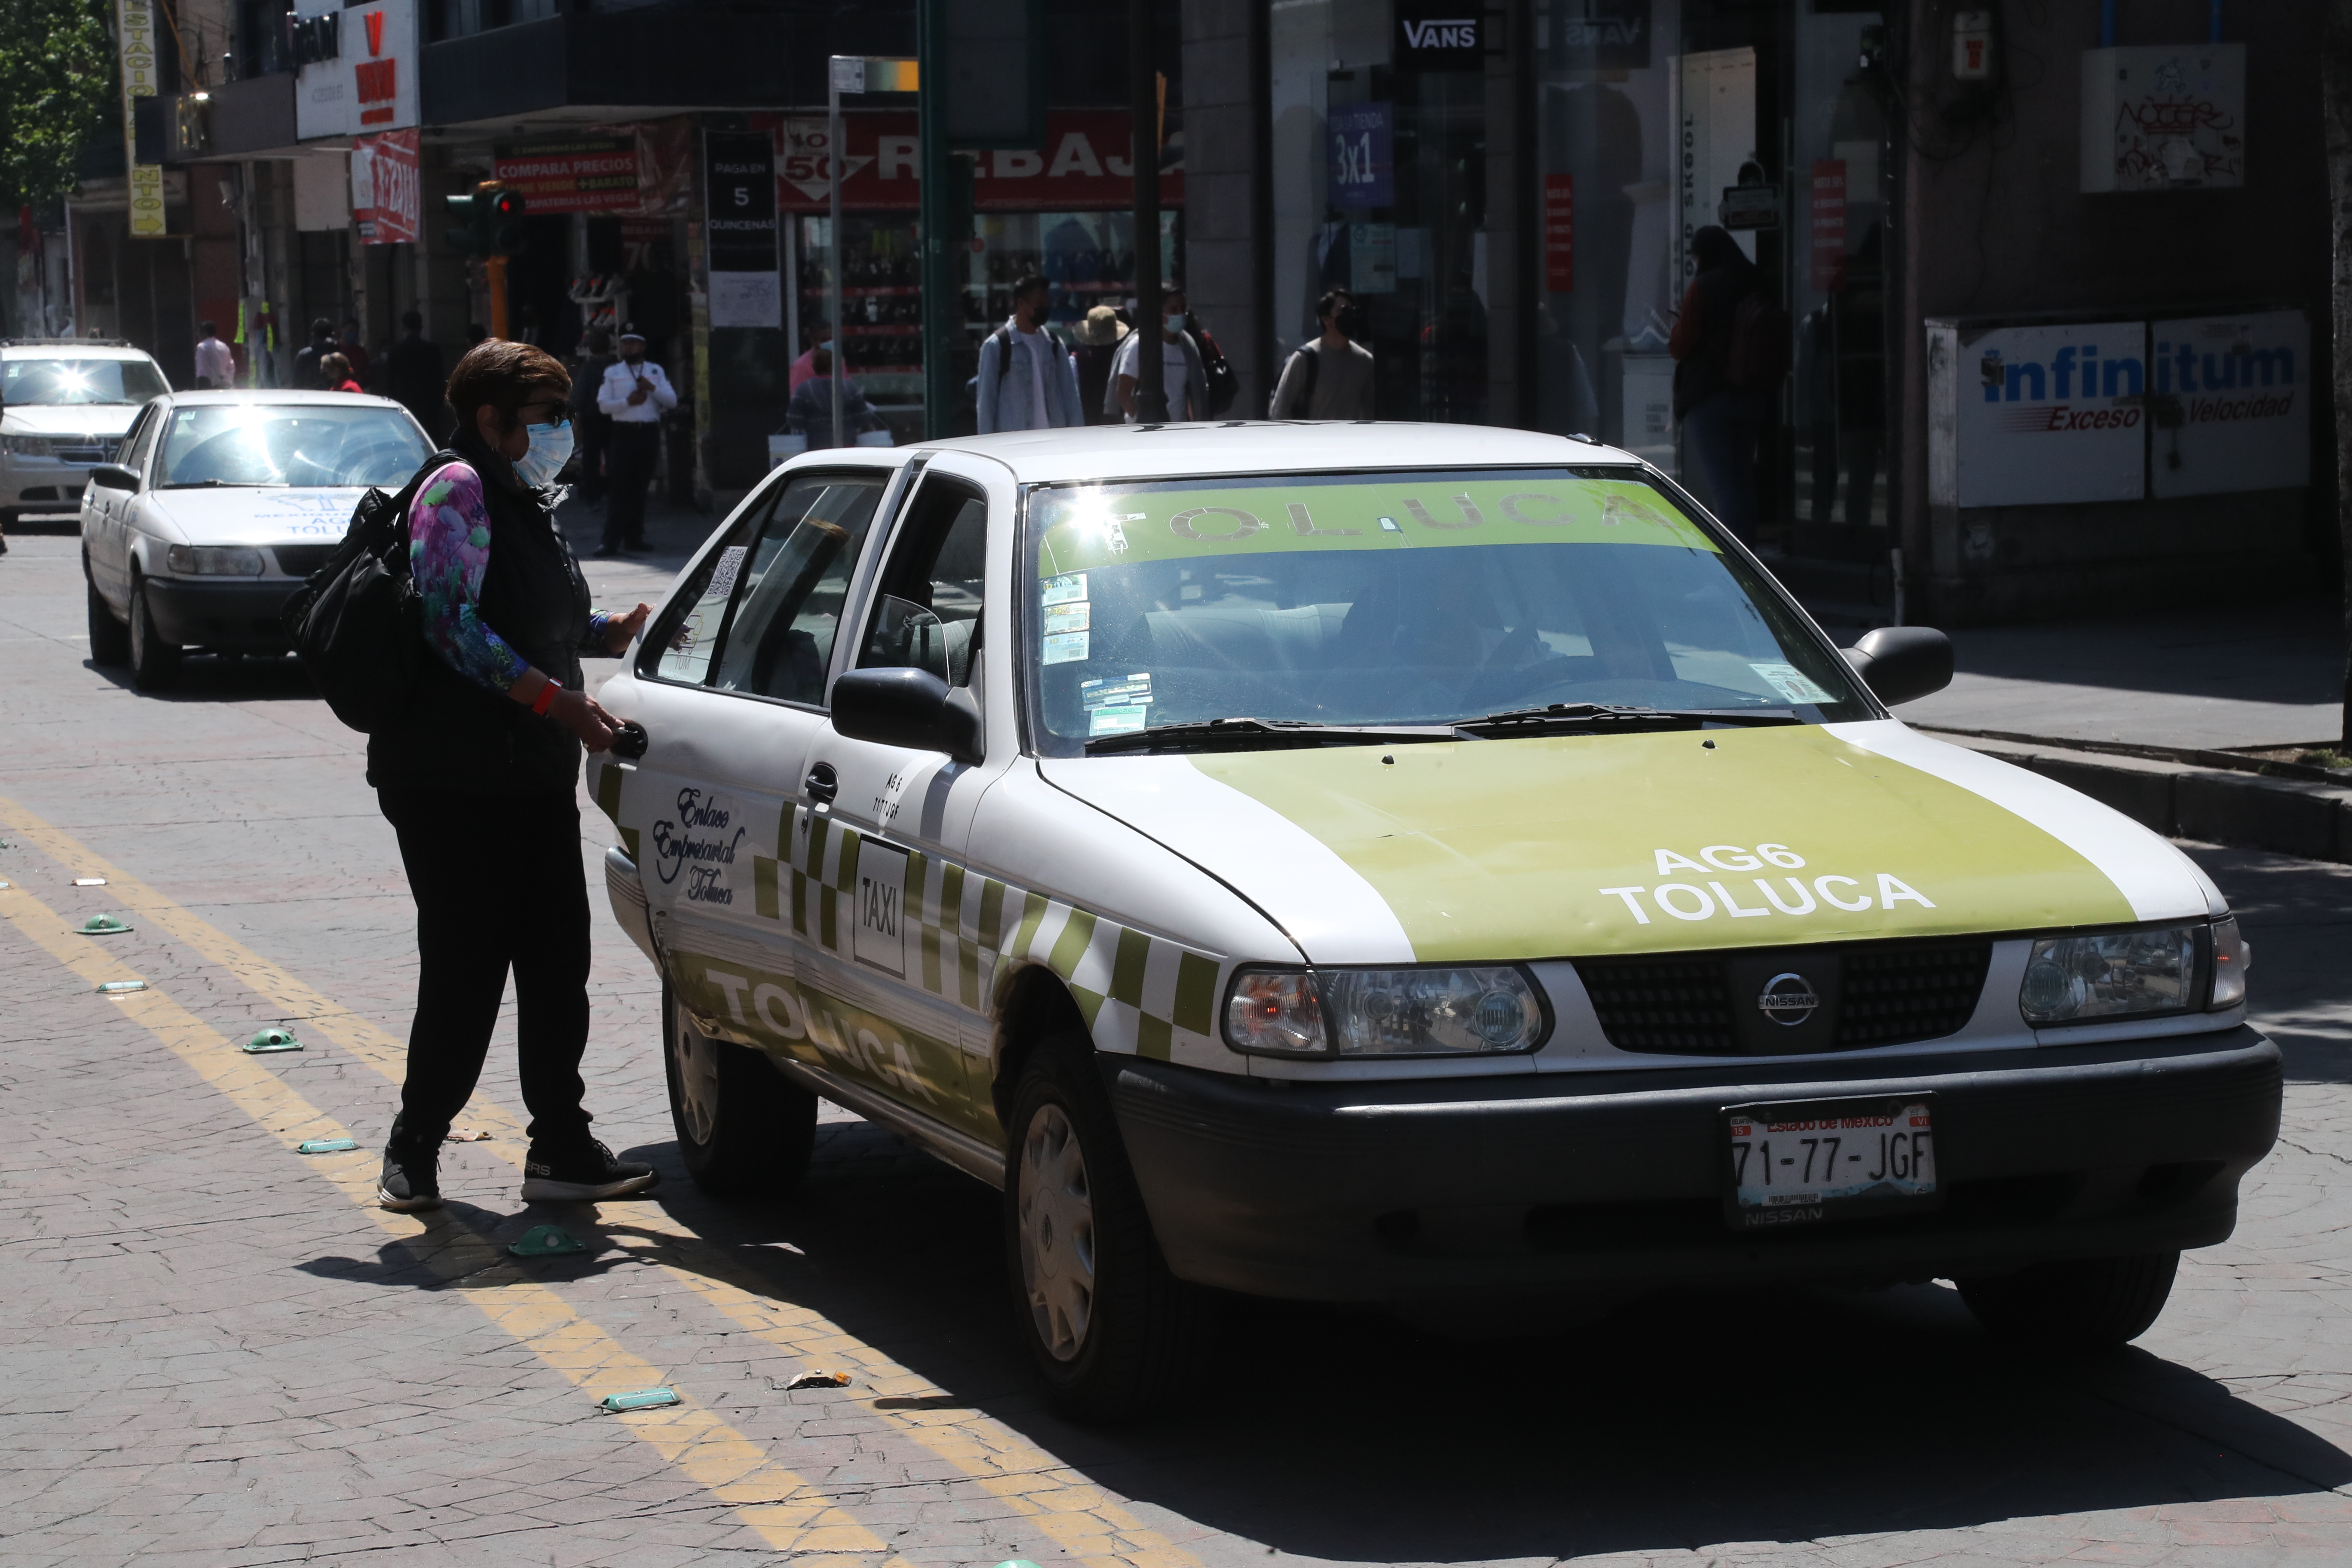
<point x="64" y="405"/>
<point x="220" y="505"/>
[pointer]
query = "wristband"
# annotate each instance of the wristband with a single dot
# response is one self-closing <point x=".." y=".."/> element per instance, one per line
<point x="546" y="698"/>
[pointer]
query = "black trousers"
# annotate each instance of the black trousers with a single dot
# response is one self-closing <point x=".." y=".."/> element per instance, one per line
<point x="499" y="887"/>
<point x="629" y="468"/>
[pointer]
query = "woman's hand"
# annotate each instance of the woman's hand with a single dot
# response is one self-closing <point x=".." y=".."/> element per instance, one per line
<point x="580" y="713"/>
<point x="620" y="631"/>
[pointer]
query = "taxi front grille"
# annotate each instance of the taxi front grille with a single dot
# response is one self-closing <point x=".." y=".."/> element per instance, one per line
<point x="1870" y="994"/>
<point x="302" y="560"/>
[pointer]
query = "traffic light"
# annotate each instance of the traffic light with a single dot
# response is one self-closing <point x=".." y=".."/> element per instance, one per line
<point x="488" y="223"/>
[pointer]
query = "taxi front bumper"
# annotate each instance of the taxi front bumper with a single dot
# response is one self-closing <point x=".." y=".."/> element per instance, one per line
<point x="1434" y="1189"/>
<point x="242" y="613"/>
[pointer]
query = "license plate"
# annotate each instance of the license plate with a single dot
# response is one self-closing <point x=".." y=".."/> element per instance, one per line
<point x="1803" y="1163"/>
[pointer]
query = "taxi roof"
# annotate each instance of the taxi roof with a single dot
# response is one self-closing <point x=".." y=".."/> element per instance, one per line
<point x="70" y="348"/>
<point x="1267" y="445"/>
<point x="274" y="396"/>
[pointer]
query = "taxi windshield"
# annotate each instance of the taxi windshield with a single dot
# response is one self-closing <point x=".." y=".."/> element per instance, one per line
<point x="1408" y="598"/>
<point x="300" y="444"/>
<point x="42" y="383"/>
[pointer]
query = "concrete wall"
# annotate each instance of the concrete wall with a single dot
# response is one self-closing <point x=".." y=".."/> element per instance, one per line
<point x="1993" y="222"/>
<point x="1225" y="152"/>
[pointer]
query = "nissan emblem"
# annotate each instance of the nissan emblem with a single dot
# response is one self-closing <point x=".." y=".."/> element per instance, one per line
<point x="1788" y="1000"/>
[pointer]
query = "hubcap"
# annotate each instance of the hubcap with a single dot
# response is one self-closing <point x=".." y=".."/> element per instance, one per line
<point x="696" y="1059"/>
<point x="1057" y="1232"/>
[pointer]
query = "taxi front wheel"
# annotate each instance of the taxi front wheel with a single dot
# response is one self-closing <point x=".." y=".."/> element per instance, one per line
<point x="1112" y="1333"/>
<point x="2093" y="1304"/>
<point x="742" y="1131"/>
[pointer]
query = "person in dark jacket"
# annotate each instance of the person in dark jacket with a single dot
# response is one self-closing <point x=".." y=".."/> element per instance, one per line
<point x="810" y="413"/>
<point x="479" y="782"/>
<point x="307" y="376"/>
<point x="1723" y="422"/>
<point x="412" y="376"/>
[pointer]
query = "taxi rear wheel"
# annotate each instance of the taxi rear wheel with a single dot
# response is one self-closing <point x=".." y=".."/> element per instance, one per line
<point x="742" y="1131"/>
<point x="1112" y="1333"/>
<point x="2092" y="1304"/>
<point x="154" y="663"/>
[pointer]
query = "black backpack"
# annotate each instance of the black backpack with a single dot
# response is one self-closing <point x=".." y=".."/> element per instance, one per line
<point x="1224" y="382"/>
<point x="1310" y="368"/>
<point x="358" y="625"/>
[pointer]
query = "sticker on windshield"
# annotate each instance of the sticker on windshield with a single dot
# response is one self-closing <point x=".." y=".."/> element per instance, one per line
<point x="1124" y="720"/>
<point x="722" y="580"/>
<point x="1065" y="647"/>
<point x="1062" y="619"/>
<point x="1063" y="590"/>
<point x="1115" y="690"/>
<point x="1792" y="683"/>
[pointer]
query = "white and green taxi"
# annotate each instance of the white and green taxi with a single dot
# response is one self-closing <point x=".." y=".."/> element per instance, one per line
<point x="1402" y="864"/>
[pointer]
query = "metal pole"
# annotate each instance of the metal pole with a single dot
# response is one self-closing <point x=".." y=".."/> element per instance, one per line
<point x="853" y="67"/>
<point x="942" y="228"/>
<point x="1143" y="148"/>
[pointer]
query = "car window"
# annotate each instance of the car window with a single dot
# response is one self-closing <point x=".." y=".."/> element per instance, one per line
<point x="1416" y="597"/>
<point x="288" y="443"/>
<point x="765" y="607"/>
<point x="928" y="612"/>
<point x="63" y="380"/>
<point x="140" y="443"/>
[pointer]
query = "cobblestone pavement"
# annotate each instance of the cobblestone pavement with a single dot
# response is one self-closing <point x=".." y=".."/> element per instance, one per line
<point x="213" y="1350"/>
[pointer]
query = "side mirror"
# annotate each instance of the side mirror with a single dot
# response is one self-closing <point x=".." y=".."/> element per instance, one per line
<point x="113" y="477"/>
<point x="910" y="707"/>
<point x="1899" y="663"/>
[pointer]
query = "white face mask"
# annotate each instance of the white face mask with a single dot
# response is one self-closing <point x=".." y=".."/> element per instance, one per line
<point x="551" y="448"/>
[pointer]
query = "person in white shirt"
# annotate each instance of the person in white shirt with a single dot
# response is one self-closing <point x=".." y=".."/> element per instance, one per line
<point x="1181" y="371"/>
<point x="216" y="364"/>
<point x="633" y="396"/>
<point x="1026" y="381"/>
<point x="1331" y="377"/>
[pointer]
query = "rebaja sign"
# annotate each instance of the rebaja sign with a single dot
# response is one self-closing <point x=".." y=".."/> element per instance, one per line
<point x="2041" y="414"/>
<point x="358" y="76"/>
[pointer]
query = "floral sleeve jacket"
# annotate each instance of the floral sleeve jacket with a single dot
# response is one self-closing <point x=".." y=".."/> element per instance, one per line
<point x="448" y="550"/>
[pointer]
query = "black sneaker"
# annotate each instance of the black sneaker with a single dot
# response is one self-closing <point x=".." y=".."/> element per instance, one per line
<point x="411" y="1178"/>
<point x="581" y="1173"/>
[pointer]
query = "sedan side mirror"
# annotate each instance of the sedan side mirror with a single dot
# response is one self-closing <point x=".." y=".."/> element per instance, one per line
<point x="1900" y="663"/>
<point x="910" y="707"/>
<point x="113" y="477"/>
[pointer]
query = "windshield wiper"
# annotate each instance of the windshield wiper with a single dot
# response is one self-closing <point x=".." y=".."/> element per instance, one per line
<point x="1621" y="716"/>
<point x="1279" y="732"/>
<point x="217" y="484"/>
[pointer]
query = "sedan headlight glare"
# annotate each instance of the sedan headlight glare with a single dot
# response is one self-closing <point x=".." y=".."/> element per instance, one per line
<point x="213" y="561"/>
<point x="1428" y="1012"/>
<point x="2083" y="978"/>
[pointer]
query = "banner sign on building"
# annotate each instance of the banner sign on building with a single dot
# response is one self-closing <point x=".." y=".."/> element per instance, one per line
<point x="1441" y="35"/>
<point x="2031" y="416"/>
<point x="625" y="171"/>
<point x="358" y="76"/>
<point x="135" y="24"/>
<point x="384" y="193"/>
<point x="1083" y="167"/>
<point x="1559" y="233"/>
<point x="2233" y="403"/>
<point x="739" y="192"/>
<point x="1362" y="166"/>
<point x="1825" y="227"/>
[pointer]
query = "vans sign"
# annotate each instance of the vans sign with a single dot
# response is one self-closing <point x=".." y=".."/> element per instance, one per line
<point x="1440" y="37"/>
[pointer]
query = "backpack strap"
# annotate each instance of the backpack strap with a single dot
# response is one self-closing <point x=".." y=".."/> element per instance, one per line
<point x="1003" y="336"/>
<point x="1310" y="369"/>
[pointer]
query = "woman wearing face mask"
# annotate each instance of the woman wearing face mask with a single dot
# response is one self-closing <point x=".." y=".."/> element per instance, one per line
<point x="479" y="782"/>
<point x="1186" y="381"/>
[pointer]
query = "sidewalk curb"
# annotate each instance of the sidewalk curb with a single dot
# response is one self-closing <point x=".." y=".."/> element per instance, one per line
<point x="2216" y="806"/>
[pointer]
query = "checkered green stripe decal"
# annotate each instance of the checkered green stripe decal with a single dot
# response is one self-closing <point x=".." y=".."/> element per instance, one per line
<point x="967" y="933"/>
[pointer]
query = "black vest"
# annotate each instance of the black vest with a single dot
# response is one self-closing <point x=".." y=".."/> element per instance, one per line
<point x="462" y="737"/>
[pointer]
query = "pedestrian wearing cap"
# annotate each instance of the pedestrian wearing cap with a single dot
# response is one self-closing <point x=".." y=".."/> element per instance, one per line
<point x="633" y="396"/>
<point x="1098" y="348"/>
<point x="1025" y="380"/>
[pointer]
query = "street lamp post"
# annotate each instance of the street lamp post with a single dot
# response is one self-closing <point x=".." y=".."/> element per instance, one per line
<point x="848" y="74"/>
<point x="1143" y="101"/>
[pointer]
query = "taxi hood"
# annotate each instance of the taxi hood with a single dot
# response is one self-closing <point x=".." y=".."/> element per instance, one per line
<point x="1575" y="845"/>
<point x="233" y="514"/>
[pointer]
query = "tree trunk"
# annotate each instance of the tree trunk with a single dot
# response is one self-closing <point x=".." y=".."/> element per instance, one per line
<point x="2336" y="91"/>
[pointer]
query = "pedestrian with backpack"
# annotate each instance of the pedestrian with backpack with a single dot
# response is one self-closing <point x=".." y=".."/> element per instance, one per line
<point x="1330" y="378"/>
<point x="1025" y="379"/>
<point x="478" y="774"/>
<point x="1098" y="337"/>
<point x="1730" y="345"/>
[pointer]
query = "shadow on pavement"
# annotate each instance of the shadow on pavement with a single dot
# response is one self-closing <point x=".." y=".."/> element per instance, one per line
<point x="214" y="677"/>
<point x="2281" y="653"/>
<point x="2298" y="916"/>
<point x="1781" y="1414"/>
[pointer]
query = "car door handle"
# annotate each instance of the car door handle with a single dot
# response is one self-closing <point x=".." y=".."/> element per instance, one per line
<point x="630" y="740"/>
<point x="822" y="785"/>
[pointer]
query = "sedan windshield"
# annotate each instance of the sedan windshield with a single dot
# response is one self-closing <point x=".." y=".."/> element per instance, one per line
<point x="1431" y="598"/>
<point x="301" y="443"/>
<point x="48" y="382"/>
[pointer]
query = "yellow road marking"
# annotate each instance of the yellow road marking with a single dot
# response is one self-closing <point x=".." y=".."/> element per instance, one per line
<point x="786" y="1511"/>
<point x="1087" y="1522"/>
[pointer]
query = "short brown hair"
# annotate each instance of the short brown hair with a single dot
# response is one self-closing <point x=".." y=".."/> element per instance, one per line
<point x="501" y="373"/>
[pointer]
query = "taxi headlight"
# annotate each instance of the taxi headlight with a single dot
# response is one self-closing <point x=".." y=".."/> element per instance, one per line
<point x="1384" y="1012"/>
<point x="213" y="561"/>
<point x="2149" y="971"/>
